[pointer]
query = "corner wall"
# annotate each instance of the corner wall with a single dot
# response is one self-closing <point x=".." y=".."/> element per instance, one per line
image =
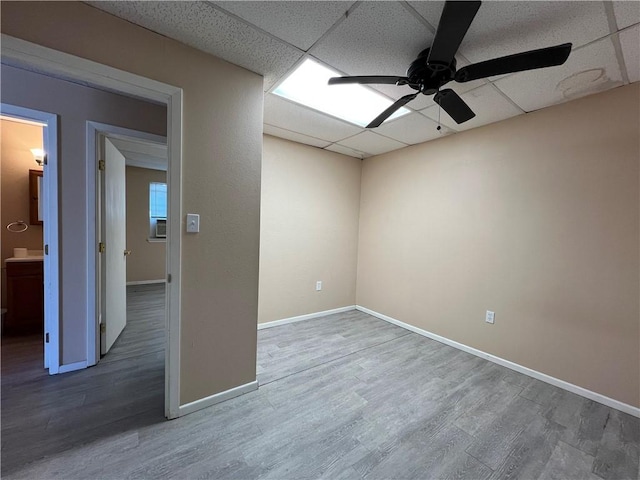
<point x="309" y="230"/>
<point x="536" y="218"/>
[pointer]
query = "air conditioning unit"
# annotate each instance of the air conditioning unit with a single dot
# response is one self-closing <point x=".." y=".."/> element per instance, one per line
<point x="161" y="228"/>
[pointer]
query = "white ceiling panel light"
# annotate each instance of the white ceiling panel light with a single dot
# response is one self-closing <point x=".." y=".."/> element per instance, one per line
<point x="308" y="85"/>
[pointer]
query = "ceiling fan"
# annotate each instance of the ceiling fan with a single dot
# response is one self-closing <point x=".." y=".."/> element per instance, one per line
<point x="436" y="66"/>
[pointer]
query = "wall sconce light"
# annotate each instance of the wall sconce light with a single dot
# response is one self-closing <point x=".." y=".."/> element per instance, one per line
<point x="38" y="155"/>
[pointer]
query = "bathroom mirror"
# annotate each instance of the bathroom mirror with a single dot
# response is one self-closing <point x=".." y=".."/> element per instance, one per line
<point x="35" y="197"/>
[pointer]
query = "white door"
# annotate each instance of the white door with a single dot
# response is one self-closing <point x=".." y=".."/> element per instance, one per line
<point x="114" y="257"/>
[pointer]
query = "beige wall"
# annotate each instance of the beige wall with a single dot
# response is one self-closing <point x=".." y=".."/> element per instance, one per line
<point x="309" y="229"/>
<point x="148" y="259"/>
<point x="16" y="141"/>
<point x="222" y="145"/>
<point x="535" y="218"/>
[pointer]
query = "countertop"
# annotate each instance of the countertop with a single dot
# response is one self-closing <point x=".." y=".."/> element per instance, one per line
<point x="30" y="258"/>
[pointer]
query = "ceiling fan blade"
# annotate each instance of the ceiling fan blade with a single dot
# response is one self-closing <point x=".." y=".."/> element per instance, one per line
<point x="376" y="122"/>
<point x="451" y="103"/>
<point x="367" y="79"/>
<point x="454" y="22"/>
<point x="543" y="57"/>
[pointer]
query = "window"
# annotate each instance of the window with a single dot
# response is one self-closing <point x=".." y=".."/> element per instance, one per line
<point x="157" y="210"/>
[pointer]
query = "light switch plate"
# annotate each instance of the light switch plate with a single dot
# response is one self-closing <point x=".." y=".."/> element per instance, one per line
<point x="193" y="223"/>
<point x="490" y="317"/>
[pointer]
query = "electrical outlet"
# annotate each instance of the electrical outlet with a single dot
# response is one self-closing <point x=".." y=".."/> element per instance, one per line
<point x="490" y="317"/>
<point x="318" y="285"/>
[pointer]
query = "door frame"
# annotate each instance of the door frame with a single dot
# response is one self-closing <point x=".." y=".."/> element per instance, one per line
<point x="94" y="192"/>
<point x="49" y="122"/>
<point x="23" y="54"/>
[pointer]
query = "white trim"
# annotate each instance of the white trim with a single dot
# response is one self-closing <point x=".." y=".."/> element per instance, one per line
<point x="72" y="367"/>
<point x="49" y="122"/>
<point x="217" y="398"/>
<point x="174" y="255"/>
<point x="29" y="55"/>
<point x="308" y="316"/>
<point x="570" y="387"/>
<point x="146" y="282"/>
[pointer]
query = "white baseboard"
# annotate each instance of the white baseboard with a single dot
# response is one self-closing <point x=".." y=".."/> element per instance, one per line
<point x="146" y="282"/>
<point x="596" y="397"/>
<point x="308" y="316"/>
<point x="71" y="367"/>
<point x="217" y="398"/>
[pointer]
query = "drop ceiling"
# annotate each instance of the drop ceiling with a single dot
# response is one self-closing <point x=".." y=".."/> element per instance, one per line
<point x="272" y="38"/>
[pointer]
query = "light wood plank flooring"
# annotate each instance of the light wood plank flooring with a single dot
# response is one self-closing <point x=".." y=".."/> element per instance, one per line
<point x="346" y="396"/>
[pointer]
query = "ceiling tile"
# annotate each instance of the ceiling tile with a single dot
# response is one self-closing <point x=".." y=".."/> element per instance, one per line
<point x="411" y="129"/>
<point x="378" y="38"/>
<point x="591" y="69"/>
<point x="371" y="143"/>
<point x="626" y="13"/>
<point x="295" y="118"/>
<point x="346" y="151"/>
<point x="430" y="11"/>
<point x="201" y="26"/>
<point x="294" y="136"/>
<point x="504" y="28"/>
<point x="630" y="42"/>
<point x="298" y="23"/>
<point x="487" y="103"/>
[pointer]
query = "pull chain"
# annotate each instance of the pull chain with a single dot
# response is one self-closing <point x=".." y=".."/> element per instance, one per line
<point x="438" y="127"/>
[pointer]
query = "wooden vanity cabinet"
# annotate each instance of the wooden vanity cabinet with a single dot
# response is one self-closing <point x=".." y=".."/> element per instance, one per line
<point x="25" y="298"/>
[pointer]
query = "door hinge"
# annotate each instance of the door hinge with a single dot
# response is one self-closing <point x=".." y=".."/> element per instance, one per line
<point x="101" y="165"/>
<point x="103" y="328"/>
<point x="46" y="337"/>
<point x="46" y="249"/>
<point x="169" y="278"/>
<point x="44" y="160"/>
<point x="101" y="247"/>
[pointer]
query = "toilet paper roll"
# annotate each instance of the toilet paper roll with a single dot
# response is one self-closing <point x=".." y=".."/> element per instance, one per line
<point x="20" y="252"/>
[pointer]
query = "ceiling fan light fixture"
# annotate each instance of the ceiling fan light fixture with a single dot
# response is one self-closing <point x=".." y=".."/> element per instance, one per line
<point x="308" y="85"/>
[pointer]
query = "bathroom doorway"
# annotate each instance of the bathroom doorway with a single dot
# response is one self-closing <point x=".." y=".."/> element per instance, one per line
<point x="29" y="213"/>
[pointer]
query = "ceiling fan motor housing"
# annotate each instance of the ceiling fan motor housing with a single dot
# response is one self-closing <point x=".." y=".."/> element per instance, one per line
<point x="429" y="77"/>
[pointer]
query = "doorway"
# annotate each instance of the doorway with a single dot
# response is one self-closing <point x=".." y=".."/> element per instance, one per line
<point x="35" y="57"/>
<point x="131" y="248"/>
<point x="36" y="268"/>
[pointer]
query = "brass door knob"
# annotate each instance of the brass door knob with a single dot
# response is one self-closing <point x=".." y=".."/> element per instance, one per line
<point x="127" y="252"/>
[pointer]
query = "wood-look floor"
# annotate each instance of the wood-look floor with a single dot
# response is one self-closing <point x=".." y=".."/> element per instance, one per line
<point x="346" y="396"/>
